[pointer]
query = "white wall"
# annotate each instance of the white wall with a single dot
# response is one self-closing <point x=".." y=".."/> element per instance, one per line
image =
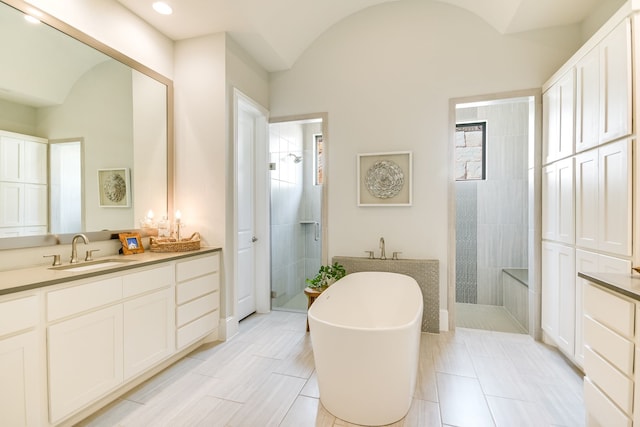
<point x="385" y="76"/>
<point x="112" y="24"/>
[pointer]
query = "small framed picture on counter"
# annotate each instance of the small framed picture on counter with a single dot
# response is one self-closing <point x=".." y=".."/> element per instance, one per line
<point x="131" y="243"/>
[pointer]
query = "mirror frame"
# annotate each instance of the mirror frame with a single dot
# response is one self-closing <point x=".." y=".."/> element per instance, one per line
<point x="52" y="239"/>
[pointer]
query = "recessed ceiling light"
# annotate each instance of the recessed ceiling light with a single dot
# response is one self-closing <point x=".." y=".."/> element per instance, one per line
<point x="162" y="8"/>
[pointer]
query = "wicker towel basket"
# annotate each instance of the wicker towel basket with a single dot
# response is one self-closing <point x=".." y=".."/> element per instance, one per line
<point x="173" y="245"/>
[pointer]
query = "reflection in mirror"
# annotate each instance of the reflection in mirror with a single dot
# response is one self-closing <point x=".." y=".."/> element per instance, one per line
<point x="92" y="112"/>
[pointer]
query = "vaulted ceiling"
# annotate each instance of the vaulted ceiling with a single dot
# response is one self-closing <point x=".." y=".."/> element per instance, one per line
<point x="276" y="32"/>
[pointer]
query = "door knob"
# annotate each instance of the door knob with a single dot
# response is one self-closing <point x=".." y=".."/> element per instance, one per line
<point x="254" y="239"/>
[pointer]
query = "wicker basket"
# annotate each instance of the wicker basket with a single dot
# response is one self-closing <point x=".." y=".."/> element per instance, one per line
<point x="173" y="245"/>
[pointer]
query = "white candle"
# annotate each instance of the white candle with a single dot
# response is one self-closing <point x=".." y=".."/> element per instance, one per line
<point x="178" y="216"/>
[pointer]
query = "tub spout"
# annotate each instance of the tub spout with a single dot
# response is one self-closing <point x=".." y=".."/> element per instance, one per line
<point x="382" y="254"/>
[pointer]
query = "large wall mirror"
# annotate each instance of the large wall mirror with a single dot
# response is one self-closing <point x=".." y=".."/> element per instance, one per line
<point x="105" y="122"/>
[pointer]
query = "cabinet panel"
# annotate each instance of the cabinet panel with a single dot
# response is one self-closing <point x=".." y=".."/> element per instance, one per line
<point x="148" y="331"/>
<point x="618" y="387"/>
<point x="612" y="311"/>
<point x="18" y="314"/>
<point x="615" y="83"/>
<point x="35" y="162"/>
<point x="11" y="159"/>
<point x="196" y="329"/>
<point x="196" y="308"/>
<point x="35" y="204"/>
<point x="85" y="360"/>
<point x="587" y="100"/>
<point x="565" y="201"/>
<point x="612" y="347"/>
<point x="585" y="262"/>
<point x="19" y="397"/>
<point x="11" y="204"/>
<point x="550" y="290"/>
<point x="77" y="299"/>
<point x="600" y="409"/>
<point x="147" y="280"/>
<point x="567" y="298"/>
<point x="197" y="287"/>
<point x="586" y="193"/>
<point x="614" y="231"/>
<point x="186" y="270"/>
<point x="549" y="203"/>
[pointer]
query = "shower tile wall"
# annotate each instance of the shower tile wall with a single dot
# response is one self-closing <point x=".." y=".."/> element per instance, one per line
<point x="502" y="221"/>
<point x="295" y="253"/>
<point x="466" y="242"/>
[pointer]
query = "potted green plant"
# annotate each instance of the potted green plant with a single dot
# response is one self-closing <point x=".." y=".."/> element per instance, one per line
<point x="327" y="275"/>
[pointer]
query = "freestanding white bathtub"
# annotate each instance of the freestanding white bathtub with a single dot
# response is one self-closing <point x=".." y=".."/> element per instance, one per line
<point x="365" y="333"/>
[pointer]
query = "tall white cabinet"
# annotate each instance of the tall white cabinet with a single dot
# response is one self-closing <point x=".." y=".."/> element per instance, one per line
<point x="587" y="179"/>
<point x="23" y="185"/>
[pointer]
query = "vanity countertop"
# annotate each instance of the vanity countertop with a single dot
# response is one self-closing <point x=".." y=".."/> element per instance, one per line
<point x="625" y="284"/>
<point x="24" y="279"/>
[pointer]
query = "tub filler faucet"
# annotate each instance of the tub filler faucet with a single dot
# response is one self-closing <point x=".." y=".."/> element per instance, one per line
<point x="382" y="254"/>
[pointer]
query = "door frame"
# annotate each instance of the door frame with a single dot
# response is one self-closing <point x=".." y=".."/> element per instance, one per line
<point x="261" y="205"/>
<point x="534" y="208"/>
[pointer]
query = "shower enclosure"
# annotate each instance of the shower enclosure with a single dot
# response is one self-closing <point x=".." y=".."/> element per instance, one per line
<point x="296" y="167"/>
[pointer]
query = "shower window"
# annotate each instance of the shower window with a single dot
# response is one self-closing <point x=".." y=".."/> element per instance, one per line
<point x="471" y="139"/>
<point x="318" y="159"/>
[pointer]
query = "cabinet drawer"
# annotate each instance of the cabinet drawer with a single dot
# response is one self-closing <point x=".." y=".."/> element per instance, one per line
<point x="615" y="349"/>
<point x="77" y="299"/>
<point x="197" y="287"/>
<point x="147" y="280"/>
<point x="610" y="310"/>
<point x="196" y="308"/>
<point x="18" y="314"/>
<point x="198" y="329"/>
<point x="601" y="409"/>
<point x="186" y="270"/>
<point x="614" y="384"/>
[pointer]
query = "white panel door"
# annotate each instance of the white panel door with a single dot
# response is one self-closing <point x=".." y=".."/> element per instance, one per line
<point x="586" y="168"/>
<point x="587" y="100"/>
<point x="615" y="83"/>
<point x="246" y="286"/>
<point x="550" y="123"/>
<point x="567" y="109"/>
<point x="614" y="231"/>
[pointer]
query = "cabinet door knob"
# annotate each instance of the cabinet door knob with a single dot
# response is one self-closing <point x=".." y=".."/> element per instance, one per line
<point x="254" y="239"/>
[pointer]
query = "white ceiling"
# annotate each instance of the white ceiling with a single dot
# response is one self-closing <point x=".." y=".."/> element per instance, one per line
<point x="276" y="32"/>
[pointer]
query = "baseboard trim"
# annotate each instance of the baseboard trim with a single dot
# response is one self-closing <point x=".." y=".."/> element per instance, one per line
<point x="228" y="328"/>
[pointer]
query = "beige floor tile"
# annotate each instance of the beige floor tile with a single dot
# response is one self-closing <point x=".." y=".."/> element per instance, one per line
<point x="307" y="411"/>
<point x="510" y="412"/>
<point x="269" y="404"/>
<point x="462" y="402"/>
<point x="466" y="378"/>
<point x="423" y="413"/>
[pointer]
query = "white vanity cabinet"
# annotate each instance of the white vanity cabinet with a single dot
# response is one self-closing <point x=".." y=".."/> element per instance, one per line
<point x="604" y="90"/>
<point x="148" y="319"/>
<point x="104" y="332"/>
<point x="197" y="298"/>
<point x="20" y="373"/>
<point x="558" y="201"/>
<point x="559" y="119"/>
<point x="609" y="339"/>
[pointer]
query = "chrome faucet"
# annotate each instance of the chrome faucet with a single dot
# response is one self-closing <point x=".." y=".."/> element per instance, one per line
<point x="74" y="249"/>
<point x="382" y="254"/>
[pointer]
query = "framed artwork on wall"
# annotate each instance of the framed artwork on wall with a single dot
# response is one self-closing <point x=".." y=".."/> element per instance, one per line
<point x="385" y="179"/>
<point x="114" y="188"/>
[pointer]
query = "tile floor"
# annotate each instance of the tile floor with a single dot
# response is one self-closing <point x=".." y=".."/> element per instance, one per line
<point x="265" y="377"/>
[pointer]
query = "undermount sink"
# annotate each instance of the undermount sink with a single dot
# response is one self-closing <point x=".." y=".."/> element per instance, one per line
<point x="91" y="265"/>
